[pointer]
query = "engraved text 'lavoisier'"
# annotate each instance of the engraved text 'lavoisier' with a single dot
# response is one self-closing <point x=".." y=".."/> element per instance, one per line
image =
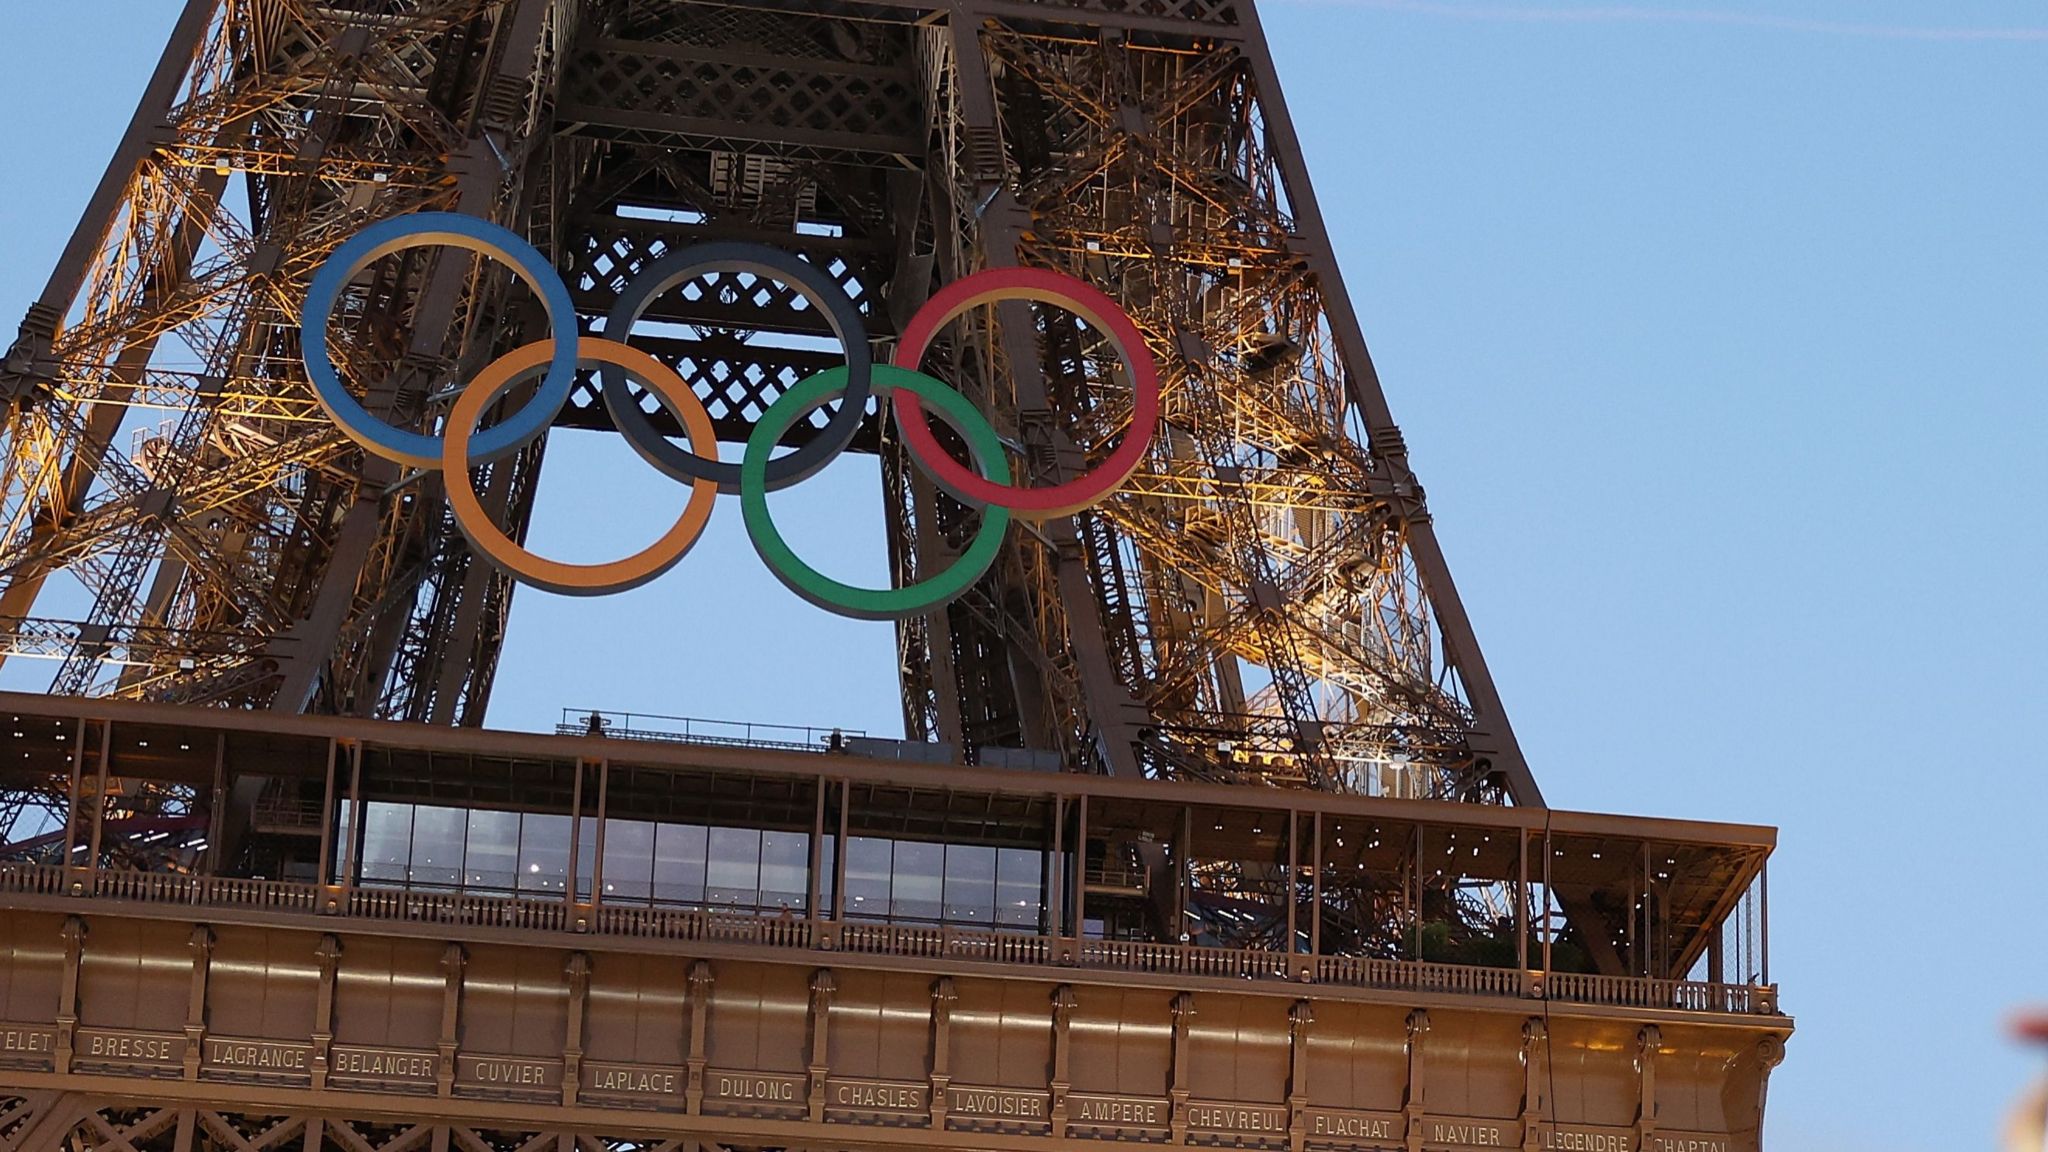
<point x="1000" y="1103"/>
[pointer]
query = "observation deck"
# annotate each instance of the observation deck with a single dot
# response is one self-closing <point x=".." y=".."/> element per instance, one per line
<point x="771" y="945"/>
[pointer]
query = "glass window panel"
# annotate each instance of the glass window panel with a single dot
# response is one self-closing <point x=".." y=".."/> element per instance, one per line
<point x="586" y="856"/>
<point x="868" y="864"/>
<point x="628" y="860"/>
<point x="827" y="871"/>
<point x="344" y="836"/>
<point x="970" y="884"/>
<point x="491" y="854"/>
<point x="1020" y="881"/>
<point x="437" y="835"/>
<point x="679" y="863"/>
<point x="916" y="888"/>
<point x="785" y="869"/>
<point x="733" y="871"/>
<point x="387" y="843"/>
<point x="543" y="852"/>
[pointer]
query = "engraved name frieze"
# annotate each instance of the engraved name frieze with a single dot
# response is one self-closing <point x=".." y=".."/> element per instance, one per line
<point x="130" y="1047"/>
<point x="507" y="1072"/>
<point x="17" y="1042"/>
<point x="394" y="1065"/>
<point x="875" y="1095"/>
<point x="257" y="1055"/>
<point x="633" y="1079"/>
<point x="1468" y="1133"/>
<point x="1117" y="1111"/>
<point x="1688" y="1142"/>
<point x="1572" y="1138"/>
<point x="754" y="1087"/>
<point x="1343" y="1125"/>
<point x="1212" y="1117"/>
<point x="1567" y="1138"/>
<point x="997" y="1103"/>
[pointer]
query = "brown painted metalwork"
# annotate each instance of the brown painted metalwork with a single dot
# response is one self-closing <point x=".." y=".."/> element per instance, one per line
<point x="1293" y="887"/>
<point x="245" y="553"/>
<point x="368" y="987"/>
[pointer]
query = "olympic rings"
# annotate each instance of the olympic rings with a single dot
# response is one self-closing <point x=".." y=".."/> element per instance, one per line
<point x="456" y="231"/>
<point x="1102" y="314"/>
<point x="813" y="285"/>
<point x="987" y="484"/>
<point x="846" y="599"/>
<point x="554" y="575"/>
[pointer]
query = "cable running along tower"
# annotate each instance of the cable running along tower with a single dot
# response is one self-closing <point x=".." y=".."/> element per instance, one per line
<point x="1287" y="795"/>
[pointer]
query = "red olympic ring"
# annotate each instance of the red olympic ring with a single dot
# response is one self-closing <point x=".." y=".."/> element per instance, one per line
<point x="1101" y="313"/>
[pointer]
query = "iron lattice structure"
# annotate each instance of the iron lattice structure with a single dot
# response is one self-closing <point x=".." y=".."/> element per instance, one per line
<point x="1263" y="602"/>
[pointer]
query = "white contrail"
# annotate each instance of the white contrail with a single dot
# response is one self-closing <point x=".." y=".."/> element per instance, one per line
<point x="1632" y="14"/>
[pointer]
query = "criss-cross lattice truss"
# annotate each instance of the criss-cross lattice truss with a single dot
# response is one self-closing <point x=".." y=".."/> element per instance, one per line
<point x="1263" y="602"/>
<point x="1260" y="586"/>
<point x="51" y="1121"/>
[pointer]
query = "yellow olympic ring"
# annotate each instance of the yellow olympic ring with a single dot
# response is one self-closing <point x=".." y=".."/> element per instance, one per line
<point x="554" y="575"/>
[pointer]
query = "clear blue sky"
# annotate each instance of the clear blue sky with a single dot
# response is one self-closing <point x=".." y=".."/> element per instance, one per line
<point x="1718" y="336"/>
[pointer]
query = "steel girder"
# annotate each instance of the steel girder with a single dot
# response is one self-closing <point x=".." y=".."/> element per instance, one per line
<point x="1263" y="602"/>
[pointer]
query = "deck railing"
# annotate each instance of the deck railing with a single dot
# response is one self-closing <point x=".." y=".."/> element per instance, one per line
<point x="785" y="931"/>
<point x="699" y="730"/>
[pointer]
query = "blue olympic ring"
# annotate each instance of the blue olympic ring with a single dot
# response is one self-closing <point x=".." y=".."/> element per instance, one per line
<point x="416" y="449"/>
<point x="987" y="484"/>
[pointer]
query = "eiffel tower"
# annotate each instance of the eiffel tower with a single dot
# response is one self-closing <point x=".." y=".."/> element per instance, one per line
<point x="1208" y="826"/>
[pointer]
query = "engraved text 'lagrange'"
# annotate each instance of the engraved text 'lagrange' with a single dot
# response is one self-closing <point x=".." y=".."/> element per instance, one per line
<point x="258" y="1055"/>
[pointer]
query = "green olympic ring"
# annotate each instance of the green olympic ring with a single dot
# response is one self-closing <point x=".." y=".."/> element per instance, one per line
<point x="846" y="599"/>
<point x="986" y="485"/>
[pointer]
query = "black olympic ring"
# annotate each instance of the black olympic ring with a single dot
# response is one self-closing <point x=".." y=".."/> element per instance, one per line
<point x="811" y="282"/>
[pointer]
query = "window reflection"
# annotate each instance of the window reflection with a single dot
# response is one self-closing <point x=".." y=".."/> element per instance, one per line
<point x="785" y="869"/>
<point x="915" y="883"/>
<point x="970" y="884"/>
<point x="733" y="872"/>
<point x="586" y="857"/>
<point x="694" y="866"/>
<point x="629" y="861"/>
<point x="543" y="851"/>
<point x="966" y="884"/>
<point x="679" y="864"/>
<point x="1020" y="877"/>
<point x="867" y="877"/>
<point x="437" y="845"/>
<point x="491" y="854"/>
<point x="387" y="843"/>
